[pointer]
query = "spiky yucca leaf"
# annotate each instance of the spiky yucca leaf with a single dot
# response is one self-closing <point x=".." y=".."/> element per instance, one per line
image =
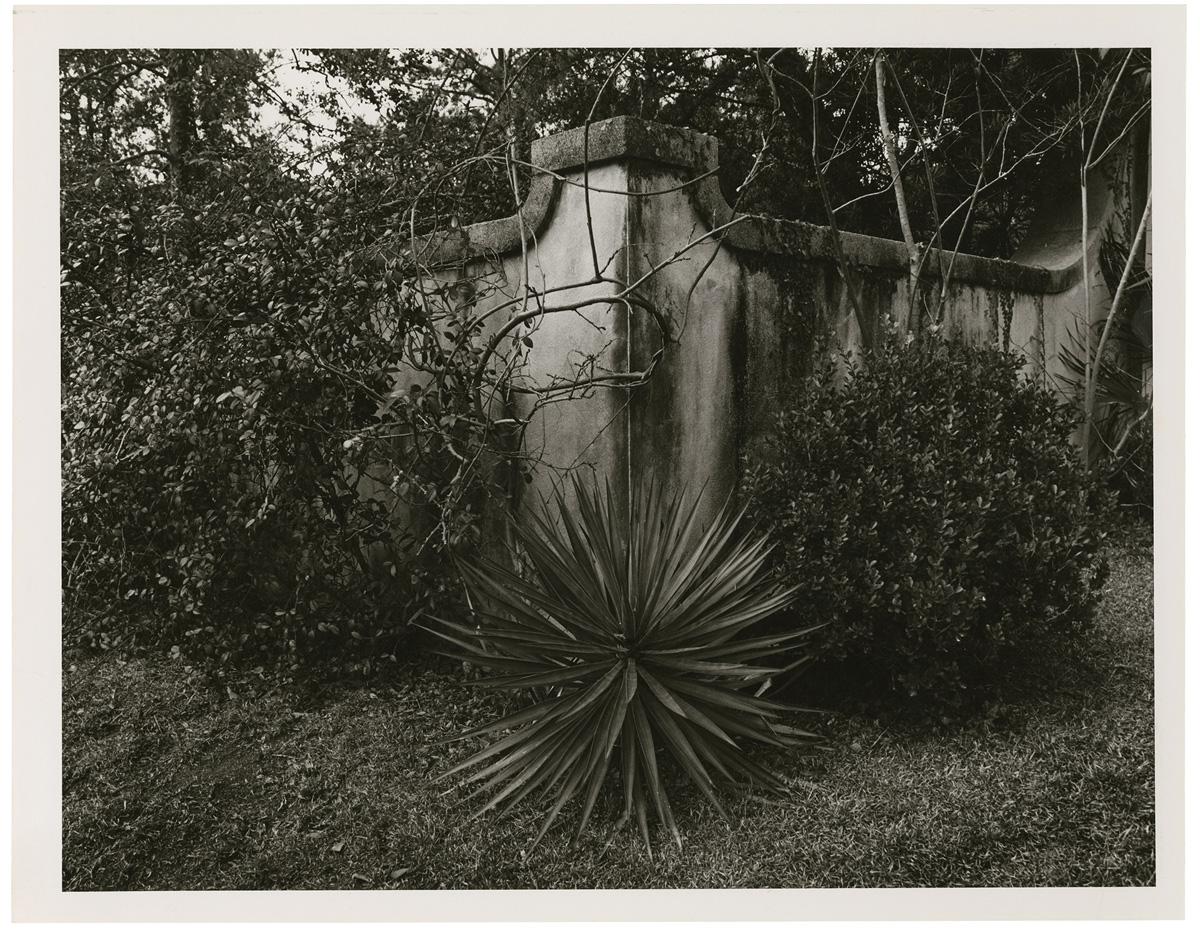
<point x="630" y="635"/>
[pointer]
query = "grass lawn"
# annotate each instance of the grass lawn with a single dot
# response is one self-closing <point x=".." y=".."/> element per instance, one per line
<point x="169" y="783"/>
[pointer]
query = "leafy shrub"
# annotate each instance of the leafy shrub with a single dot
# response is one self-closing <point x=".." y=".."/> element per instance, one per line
<point x="629" y="638"/>
<point x="240" y="435"/>
<point x="932" y="509"/>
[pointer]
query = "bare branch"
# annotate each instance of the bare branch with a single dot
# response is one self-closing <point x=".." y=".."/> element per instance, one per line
<point x="889" y="150"/>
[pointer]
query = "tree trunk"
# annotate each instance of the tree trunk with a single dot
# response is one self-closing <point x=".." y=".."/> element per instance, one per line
<point x="893" y="161"/>
<point x="181" y="124"/>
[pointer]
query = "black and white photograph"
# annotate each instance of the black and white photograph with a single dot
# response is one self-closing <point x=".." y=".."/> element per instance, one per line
<point x="586" y="467"/>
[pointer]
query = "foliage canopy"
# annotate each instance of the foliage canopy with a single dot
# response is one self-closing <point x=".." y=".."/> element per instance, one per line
<point x="237" y="439"/>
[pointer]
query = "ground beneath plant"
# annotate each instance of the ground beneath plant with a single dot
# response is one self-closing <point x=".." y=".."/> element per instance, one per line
<point x="170" y="783"/>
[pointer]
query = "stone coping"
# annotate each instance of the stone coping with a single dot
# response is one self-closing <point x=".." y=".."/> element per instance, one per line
<point x="625" y="138"/>
<point x="691" y="154"/>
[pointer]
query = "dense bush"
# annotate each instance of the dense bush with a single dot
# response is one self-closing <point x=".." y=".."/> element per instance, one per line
<point x="240" y="427"/>
<point x="927" y="502"/>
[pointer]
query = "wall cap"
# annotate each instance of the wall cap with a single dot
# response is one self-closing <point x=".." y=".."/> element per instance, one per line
<point x="625" y="138"/>
<point x="634" y="140"/>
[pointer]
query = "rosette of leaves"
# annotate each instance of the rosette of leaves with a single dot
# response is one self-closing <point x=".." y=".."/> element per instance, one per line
<point x="630" y="637"/>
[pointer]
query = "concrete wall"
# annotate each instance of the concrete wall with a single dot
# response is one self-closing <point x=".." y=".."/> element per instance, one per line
<point x="746" y="308"/>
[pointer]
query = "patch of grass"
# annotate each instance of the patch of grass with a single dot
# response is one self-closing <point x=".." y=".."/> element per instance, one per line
<point x="170" y="783"/>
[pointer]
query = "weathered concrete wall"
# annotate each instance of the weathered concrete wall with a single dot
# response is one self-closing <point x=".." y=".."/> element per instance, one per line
<point x="746" y="307"/>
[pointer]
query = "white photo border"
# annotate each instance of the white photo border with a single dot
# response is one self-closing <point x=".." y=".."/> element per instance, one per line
<point x="38" y="34"/>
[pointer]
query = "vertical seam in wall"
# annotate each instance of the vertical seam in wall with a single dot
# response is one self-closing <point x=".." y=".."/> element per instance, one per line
<point x="628" y="342"/>
<point x="739" y="357"/>
<point x="625" y="277"/>
<point x="633" y="216"/>
<point x="1040" y="304"/>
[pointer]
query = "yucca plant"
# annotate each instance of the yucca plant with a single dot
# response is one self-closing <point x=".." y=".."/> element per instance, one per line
<point x="628" y="637"/>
